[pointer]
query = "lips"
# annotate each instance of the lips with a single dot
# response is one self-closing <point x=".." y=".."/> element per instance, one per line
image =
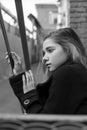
<point x="48" y="65"/>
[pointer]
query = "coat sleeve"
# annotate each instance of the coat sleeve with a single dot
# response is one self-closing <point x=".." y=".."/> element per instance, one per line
<point x="27" y="99"/>
<point x="59" y="93"/>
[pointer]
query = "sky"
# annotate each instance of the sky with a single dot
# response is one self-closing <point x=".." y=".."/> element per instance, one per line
<point x="28" y="7"/>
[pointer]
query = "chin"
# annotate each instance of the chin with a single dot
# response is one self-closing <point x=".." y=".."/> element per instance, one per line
<point x="51" y="69"/>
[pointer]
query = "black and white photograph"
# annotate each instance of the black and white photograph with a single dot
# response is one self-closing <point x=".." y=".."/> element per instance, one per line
<point x="43" y="64"/>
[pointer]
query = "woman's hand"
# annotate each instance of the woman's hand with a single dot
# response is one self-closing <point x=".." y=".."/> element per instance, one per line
<point x="17" y="63"/>
<point x="28" y="81"/>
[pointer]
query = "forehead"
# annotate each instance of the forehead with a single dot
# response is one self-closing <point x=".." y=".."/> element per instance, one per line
<point x="49" y="43"/>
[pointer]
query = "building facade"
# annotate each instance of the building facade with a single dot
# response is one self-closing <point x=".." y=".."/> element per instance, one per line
<point x="65" y="13"/>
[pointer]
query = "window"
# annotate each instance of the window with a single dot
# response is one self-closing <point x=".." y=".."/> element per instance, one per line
<point x="53" y="17"/>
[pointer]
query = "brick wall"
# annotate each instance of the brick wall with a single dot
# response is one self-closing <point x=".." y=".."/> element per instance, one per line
<point x="78" y="18"/>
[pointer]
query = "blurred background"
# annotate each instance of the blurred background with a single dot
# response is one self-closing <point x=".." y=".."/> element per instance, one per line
<point x="40" y="16"/>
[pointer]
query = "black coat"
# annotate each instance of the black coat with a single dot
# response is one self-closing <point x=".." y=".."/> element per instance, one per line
<point x="64" y="93"/>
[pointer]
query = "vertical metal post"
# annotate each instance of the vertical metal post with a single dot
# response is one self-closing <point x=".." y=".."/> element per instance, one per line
<point x="6" y="39"/>
<point x="20" y="16"/>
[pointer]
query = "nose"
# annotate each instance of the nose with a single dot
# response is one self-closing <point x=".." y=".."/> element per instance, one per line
<point x="45" y="58"/>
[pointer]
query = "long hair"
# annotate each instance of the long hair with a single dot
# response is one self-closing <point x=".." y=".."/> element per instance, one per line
<point x="71" y="44"/>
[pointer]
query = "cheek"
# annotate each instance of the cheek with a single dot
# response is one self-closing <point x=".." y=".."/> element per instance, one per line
<point x="58" y="54"/>
<point x="59" y="58"/>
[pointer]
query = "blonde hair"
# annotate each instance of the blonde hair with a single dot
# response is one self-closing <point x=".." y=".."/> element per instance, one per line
<point x="71" y="44"/>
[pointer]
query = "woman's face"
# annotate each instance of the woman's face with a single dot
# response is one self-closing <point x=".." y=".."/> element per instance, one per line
<point x="53" y="54"/>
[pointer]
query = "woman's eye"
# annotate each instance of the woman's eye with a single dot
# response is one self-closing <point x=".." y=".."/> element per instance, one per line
<point x="50" y="50"/>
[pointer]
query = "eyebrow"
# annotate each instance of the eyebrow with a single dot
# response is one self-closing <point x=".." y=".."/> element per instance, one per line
<point x="50" y="47"/>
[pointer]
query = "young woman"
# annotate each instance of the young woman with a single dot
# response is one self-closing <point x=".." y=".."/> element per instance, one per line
<point x="65" y="92"/>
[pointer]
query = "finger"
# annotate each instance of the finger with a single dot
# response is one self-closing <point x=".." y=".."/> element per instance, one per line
<point x="28" y="82"/>
<point x="24" y="83"/>
<point x="31" y="74"/>
<point x="28" y="77"/>
<point x="6" y="55"/>
<point x="16" y="57"/>
<point x="31" y="78"/>
<point x="23" y="79"/>
<point x="7" y="58"/>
